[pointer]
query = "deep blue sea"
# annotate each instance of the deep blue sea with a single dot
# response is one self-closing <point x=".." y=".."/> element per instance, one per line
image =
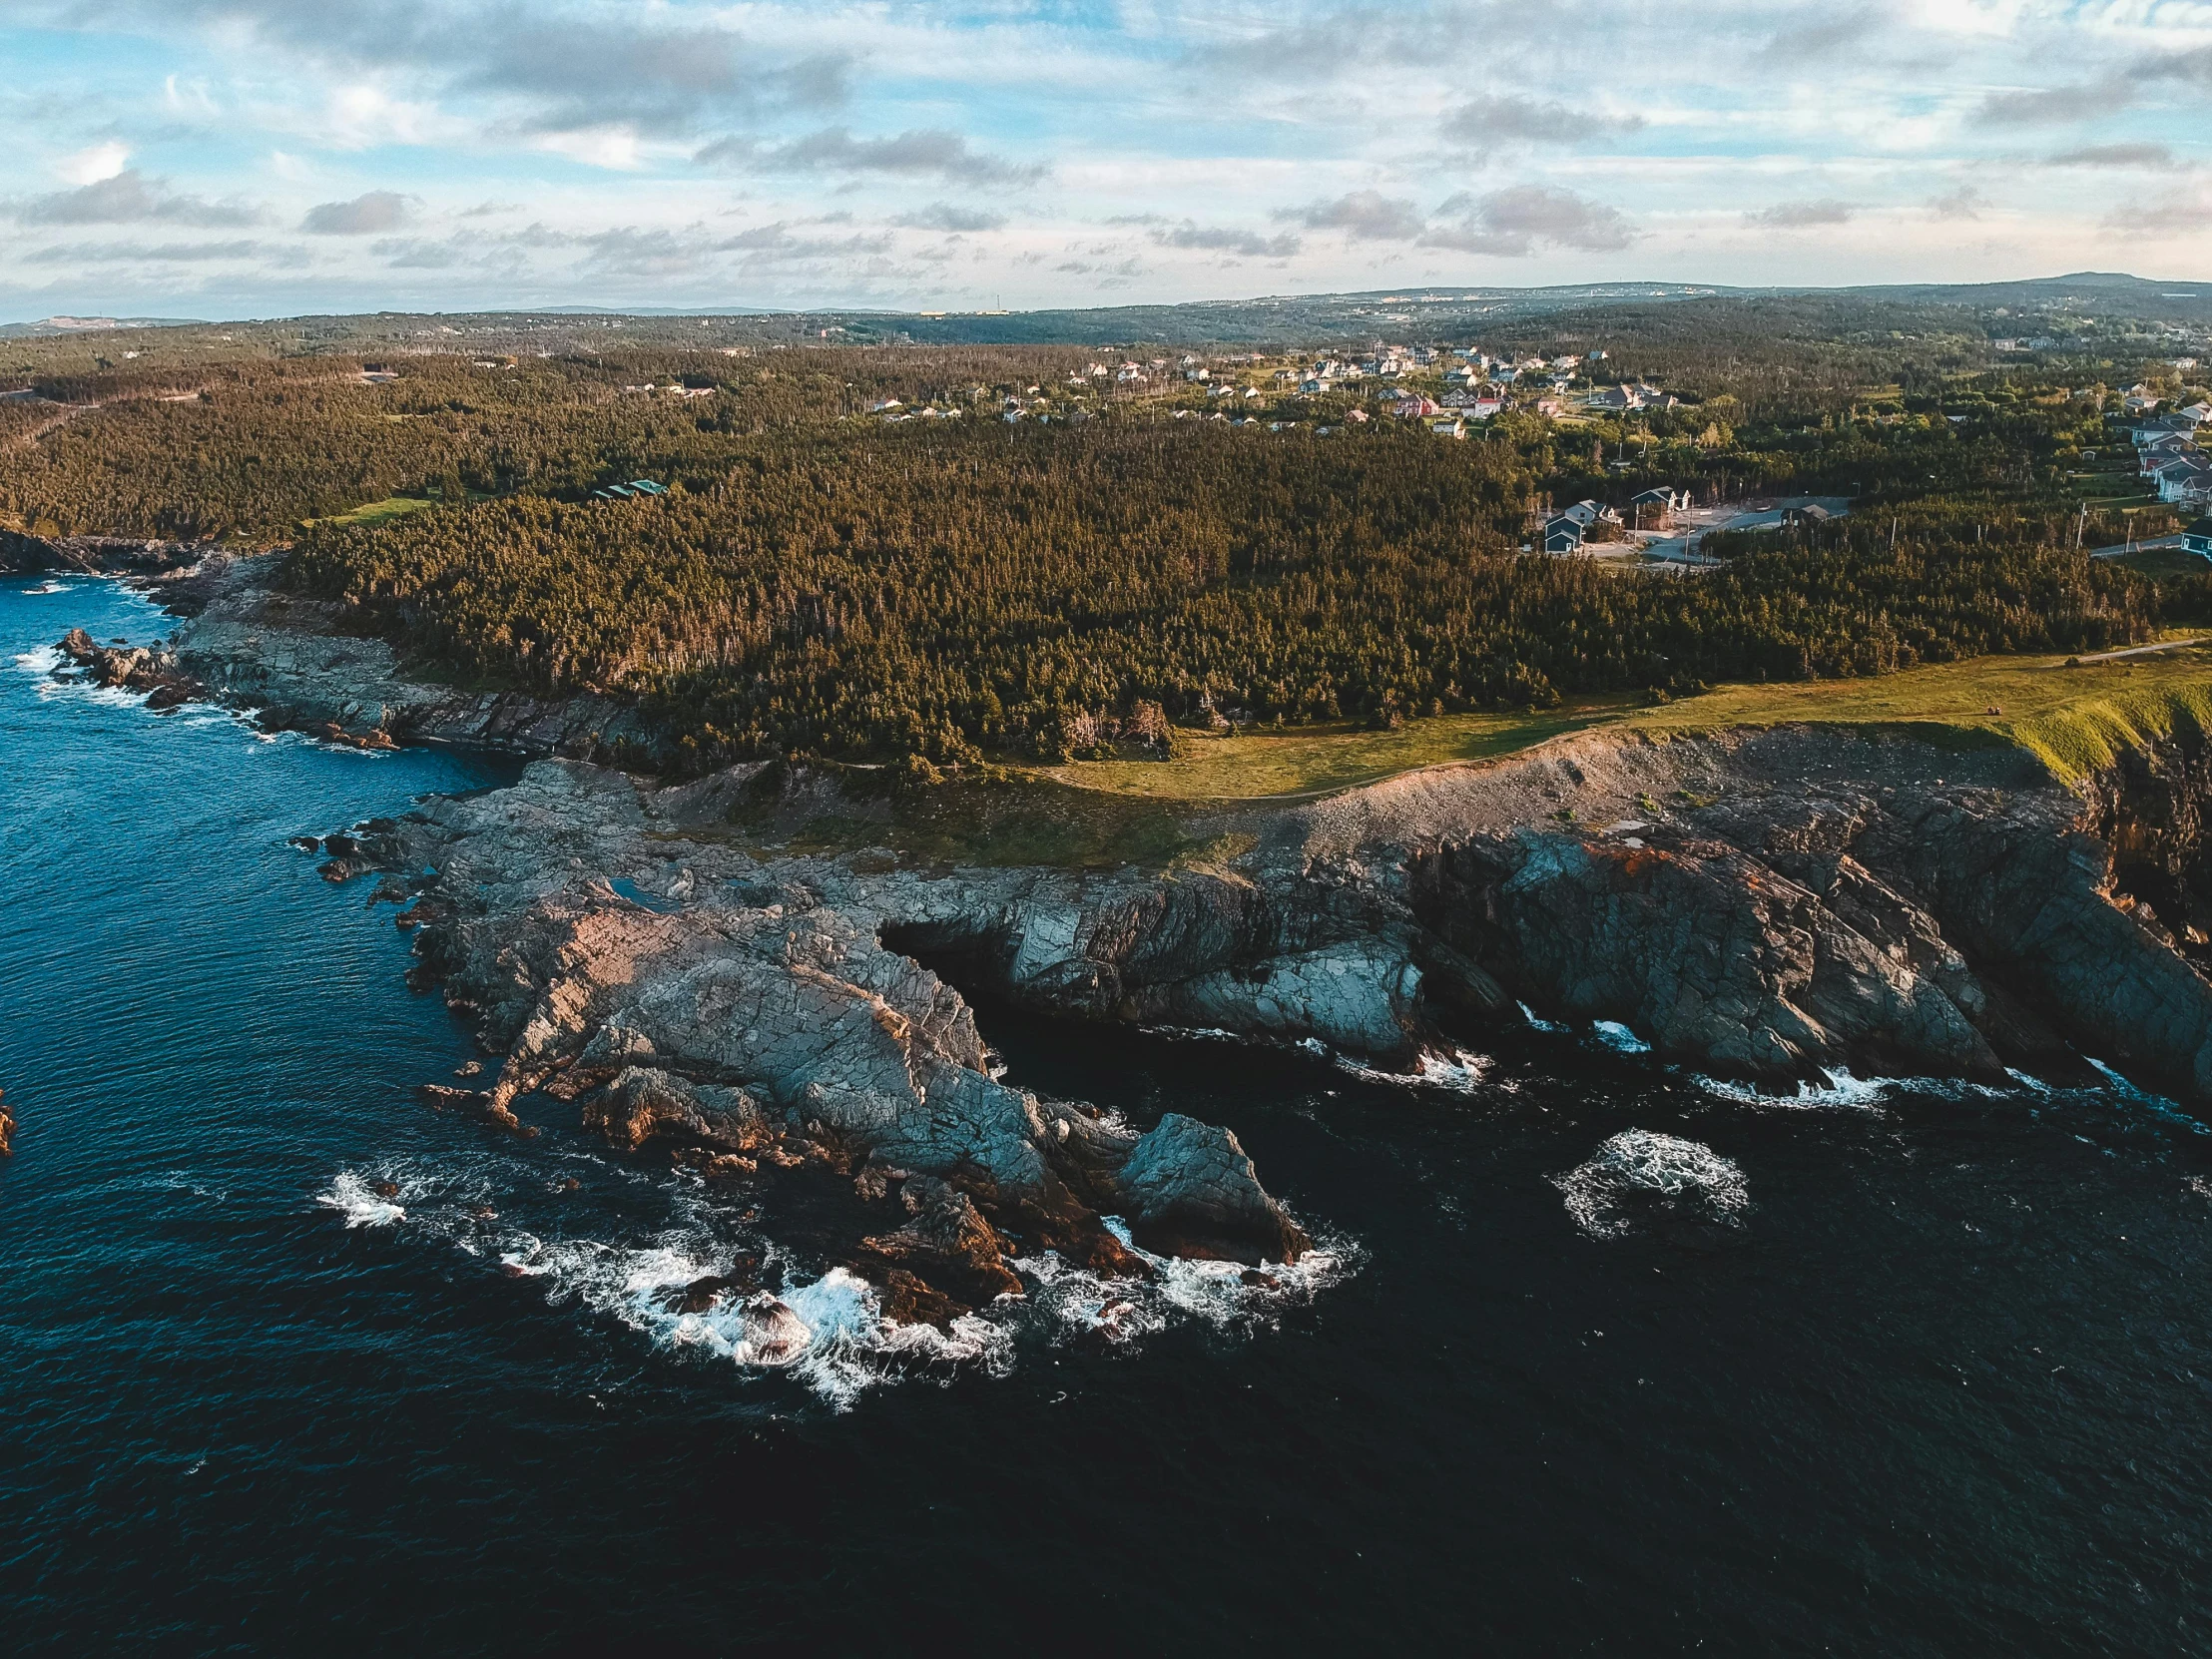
<point x="1898" y="1373"/>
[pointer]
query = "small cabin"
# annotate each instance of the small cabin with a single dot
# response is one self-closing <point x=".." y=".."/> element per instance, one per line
<point x="2197" y="538"/>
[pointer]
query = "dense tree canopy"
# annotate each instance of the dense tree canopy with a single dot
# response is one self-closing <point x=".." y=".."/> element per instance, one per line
<point x="820" y="579"/>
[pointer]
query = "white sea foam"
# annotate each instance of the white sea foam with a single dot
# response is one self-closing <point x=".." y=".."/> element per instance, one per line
<point x="1839" y="1089"/>
<point x="1534" y="1023"/>
<point x="1640" y="1172"/>
<point x="1069" y="1300"/>
<point x="826" y="1333"/>
<point x="1458" y="1069"/>
<point x="42" y="661"/>
<point x="1618" y="1037"/>
<point x="352" y="1198"/>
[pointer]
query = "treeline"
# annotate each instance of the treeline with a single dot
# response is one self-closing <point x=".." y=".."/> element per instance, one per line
<point x="958" y="593"/>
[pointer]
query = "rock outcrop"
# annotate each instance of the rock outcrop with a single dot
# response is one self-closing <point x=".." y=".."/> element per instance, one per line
<point x="1762" y="904"/>
<point x="290" y="659"/>
<point x="150" y="669"/>
<point x="25" y="555"/>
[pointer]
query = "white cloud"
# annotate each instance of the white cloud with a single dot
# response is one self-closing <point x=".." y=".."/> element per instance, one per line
<point x="89" y="167"/>
<point x="617" y="149"/>
<point x="1334" y="140"/>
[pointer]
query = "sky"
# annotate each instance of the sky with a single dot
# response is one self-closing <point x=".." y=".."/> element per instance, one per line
<point x="228" y="159"/>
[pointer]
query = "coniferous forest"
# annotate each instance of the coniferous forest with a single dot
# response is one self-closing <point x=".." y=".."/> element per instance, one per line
<point x="954" y="552"/>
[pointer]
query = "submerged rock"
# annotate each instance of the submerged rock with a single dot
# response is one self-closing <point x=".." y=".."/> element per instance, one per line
<point x="774" y="1334"/>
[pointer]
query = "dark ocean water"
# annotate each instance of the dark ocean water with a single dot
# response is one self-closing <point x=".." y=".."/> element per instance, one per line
<point x="1923" y="1375"/>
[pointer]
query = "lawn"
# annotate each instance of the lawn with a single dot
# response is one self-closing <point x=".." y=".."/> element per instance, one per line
<point x="2075" y="718"/>
<point x="379" y="512"/>
<point x="1315" y="759"/>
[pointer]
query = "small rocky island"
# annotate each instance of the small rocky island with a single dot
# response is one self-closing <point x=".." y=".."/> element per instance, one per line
<point x="687" y="962"/>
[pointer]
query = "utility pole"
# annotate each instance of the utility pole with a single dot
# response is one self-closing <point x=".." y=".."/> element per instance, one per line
<point x="2081" y="524"/>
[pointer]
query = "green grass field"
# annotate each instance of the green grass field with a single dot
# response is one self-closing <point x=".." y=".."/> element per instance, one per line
<point x="379" y="512"/>
<point x="1313" y="760"/>
<point x="2075" y="718"/>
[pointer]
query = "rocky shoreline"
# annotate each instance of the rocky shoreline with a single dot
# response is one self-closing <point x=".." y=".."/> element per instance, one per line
<point x="1760" y="905"/>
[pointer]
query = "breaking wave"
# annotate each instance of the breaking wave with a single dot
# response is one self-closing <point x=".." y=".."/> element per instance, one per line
<point x="360" y="1202"/>
<point x="690" y="1288"/>
<point x="1616" y="1036"/>
<point x="1070" y="1302"/>
<point x="1838" y="1089"/>
<point x="1458" y="1069"/>
<point x="1640" y="1176"/>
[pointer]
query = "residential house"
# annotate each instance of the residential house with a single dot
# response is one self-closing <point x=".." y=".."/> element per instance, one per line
<point x="1562" y="535"/>
<point x="2160" y="428"/>
<point x="2186" y="478"/>
<point x="2197" y="538"/>
<point x="2154" y="454"/>
<point x="1654" y="509"/>
<point x="1448" y="428"/>
<point x="1588" y="515"/>
<point x="1807" y="517"/>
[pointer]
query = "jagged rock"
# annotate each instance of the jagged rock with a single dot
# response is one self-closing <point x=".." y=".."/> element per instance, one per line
<point x="1759" y="904"/>
<point x="255" y="645"/>
<point x="947" y="1240"/>
<point x="774" y="1334"/>
<point x="150" y="669"/>
<point x="644" y="1101"/>
<point x="905" y="1299"/>
<point x="474" y="1103"/>
<point x="708" y="1291"/>
<point x="1191" y="1191"/>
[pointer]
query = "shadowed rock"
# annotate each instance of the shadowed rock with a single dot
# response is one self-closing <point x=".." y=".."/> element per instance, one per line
<point x="1191" y="1191"/>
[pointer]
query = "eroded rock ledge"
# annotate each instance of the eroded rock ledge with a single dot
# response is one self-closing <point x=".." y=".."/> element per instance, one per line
<point x="1760" y="904"/>
<point x="748" y="1012"/>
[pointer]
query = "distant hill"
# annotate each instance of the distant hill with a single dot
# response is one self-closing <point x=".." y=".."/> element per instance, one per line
<point x="91" y="324"/>
<point x="1430" y="312"/>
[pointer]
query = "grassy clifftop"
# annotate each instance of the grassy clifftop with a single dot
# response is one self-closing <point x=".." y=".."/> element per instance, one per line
<point x="2075" y="718"/>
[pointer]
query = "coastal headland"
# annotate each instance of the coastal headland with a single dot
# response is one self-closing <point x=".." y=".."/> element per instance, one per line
<point x="764" y="966"/>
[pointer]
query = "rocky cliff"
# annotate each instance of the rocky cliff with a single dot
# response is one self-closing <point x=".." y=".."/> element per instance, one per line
<point x="1760" y="905"/>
